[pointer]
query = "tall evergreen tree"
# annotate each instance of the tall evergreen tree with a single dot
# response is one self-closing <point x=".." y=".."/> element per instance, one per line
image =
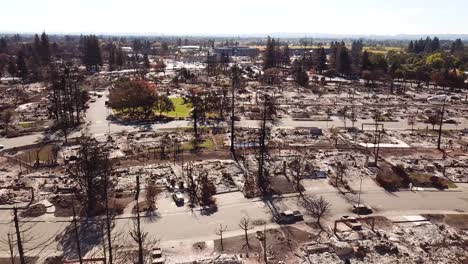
<point x="411" y="46"/>
<point x="112" y="58"/>
<point x="44" y="49"/>
<point x="12" y="70"/>
<point x="146" y="62"/>
<point x="269" y="60"/>
<point x="320" y="59"/>
<point x="21" y="65"/>
<point x="343" y="62"/>
<point x="91" y="53"/>
<point x="3" y="45"/>
<point x="356" y="55"/>
<point x="366" y="63"/>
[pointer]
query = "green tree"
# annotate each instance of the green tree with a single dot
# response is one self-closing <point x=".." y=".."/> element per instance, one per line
<point x="343" y="63"/>
<point x="91" y="53"/>
<point x="164" y="104"/>
<point x="134" y="96"/>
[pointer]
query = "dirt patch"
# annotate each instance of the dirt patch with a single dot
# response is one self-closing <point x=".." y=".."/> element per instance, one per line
<point x="458" y="221"/>
<point x="280" y="185"/>
<point x="382" y="223"/>
<point x="281" y="244"/>
<point x="237" y="245"/>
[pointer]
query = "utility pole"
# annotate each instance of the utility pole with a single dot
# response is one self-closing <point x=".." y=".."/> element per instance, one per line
<point x="359" y="198"/>
<point x="440" y="124"/>
<point x="235" y="84"/>
<point x="108" y="221"/>
<point x="77" y="236"/>
<point x="139" y="234"/>
<point x="18" y="236"/>
<point x="265" y="258"/>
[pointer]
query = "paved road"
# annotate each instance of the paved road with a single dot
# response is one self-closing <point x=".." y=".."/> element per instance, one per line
<point x="99" y="125"/>
<point x="177" y="223"/>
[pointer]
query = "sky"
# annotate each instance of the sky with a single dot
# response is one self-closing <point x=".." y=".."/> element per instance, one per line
<point x="236" y="17"/>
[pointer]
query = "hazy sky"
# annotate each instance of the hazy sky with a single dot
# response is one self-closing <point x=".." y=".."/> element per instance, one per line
<point x="236" y="16"/>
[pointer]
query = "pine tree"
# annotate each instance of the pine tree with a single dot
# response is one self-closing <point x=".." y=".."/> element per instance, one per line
<point x="428" y="45"/>
<point x="435" y="44"/>
<point x="333" y="51"/>
<point x="3" y="45"/>
<point x="366" y="63"/>
<point x="286" y="60"/>
<point x="91" y="53"/>
<point x="411" y="46"/>
<point x="269" y="56"/>
<point x="146" y="62"/>
<point x="343" y="63"/>
<point x="37" y="45"/>
<point x="112" y="59"/>
<point x="356" y="55"/>
<point x="21" y="65"/>
<point x="44" y="49"/>
<point x="319" y="58"/>
<point x="12" y="70"/>
<point x="120" y="58"/>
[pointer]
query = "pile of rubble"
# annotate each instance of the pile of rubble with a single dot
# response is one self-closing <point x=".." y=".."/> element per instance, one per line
<point x="402" y="243"/>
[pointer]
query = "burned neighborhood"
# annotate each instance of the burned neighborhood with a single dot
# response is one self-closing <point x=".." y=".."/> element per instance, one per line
<point x="223" y="148"/>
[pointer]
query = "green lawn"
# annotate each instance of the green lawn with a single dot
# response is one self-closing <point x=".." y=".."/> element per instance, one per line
<point x="382" y="50"/>
<point x="26" y="124"/>
<point x="181" y="109"/>
<point x="206" y="144"/>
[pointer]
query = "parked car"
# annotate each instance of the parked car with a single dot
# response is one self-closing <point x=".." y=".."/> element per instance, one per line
<point x="351" y="222"/>
<point x="157" y="256"/>
<point x="178" y="199"/>
<point x="362" y="209"/>
<point x="289" y="217"/>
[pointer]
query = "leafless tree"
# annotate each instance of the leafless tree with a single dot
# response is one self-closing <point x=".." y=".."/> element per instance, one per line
<point x="136" y="232"/>
<point x="340" y="171"/>
<point x="219" y="231"/>
<point x="412" y="121"/>
<point x="317" y="207"/>
<point x="245" y="225"/>
<point x="24" y="238"/>
<point x="152" y="192"/>
<point x="7" y="118"/>
<point x="235" y="77"/>
<point x="267" y="115"/>
<point x="192" y="186"/>
<point x="335" y="134"/>
<point x="299" y="167"/>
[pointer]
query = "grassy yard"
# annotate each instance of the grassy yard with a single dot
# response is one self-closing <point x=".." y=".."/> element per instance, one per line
<point x="206" y="144"/>
<point x="382" y="50"/>
<point x="180" y="109"/>
<point x="26" y="125"/>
